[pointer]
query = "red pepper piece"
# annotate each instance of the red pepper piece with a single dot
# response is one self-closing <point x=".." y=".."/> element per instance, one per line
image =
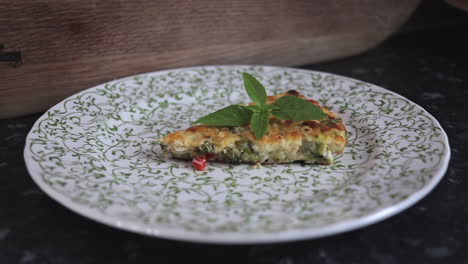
<point x="199" y="163"/>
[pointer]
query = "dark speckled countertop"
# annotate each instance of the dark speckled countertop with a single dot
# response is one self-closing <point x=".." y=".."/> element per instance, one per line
<point x="426" y="64"/>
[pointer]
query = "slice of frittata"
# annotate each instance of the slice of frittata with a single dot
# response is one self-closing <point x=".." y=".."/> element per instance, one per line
<point x="285" y="141"/>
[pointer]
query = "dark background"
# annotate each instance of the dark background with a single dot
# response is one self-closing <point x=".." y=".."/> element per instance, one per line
<point x="426" y="61"/>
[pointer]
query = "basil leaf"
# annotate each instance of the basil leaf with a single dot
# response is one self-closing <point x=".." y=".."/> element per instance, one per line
<point x="297" y="109"/>
<point x="270" y="107"/>
<point x="259" y="123"/>
<point x="254" y="89"/>
<point x="233" y="115"/>
<point x="254" y="108"/>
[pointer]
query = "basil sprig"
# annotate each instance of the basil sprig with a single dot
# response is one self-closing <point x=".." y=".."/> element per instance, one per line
<point x="285" y="108"/>
<point x="233" y="115"/>
<point x="255" y="89"/>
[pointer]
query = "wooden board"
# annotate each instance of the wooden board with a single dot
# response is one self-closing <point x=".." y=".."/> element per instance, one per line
<point x="67" y="46"/>
<point x="461" y="4"/>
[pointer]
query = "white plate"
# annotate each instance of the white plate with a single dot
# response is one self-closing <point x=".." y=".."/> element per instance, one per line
<point x="95" y="153"/>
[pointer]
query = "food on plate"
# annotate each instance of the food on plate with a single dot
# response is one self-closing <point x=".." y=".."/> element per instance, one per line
<point x="281" y="128"/>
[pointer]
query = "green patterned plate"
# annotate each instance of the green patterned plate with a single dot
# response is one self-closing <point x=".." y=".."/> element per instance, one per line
<point x="95" y="153"/>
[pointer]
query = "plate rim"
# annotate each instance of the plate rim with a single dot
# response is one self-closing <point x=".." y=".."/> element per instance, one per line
<point x="233" y="237"/>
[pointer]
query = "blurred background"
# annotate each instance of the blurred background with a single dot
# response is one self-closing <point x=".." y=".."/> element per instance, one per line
<point x="52" y="49"/>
